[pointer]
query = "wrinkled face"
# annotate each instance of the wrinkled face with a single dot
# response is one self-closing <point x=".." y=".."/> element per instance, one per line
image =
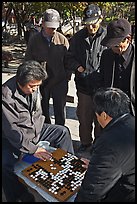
<point x="122" y="47"/>
<point x="31" y="86"/>
<point x="93" y="28"/>
<point x="49" y="31"/>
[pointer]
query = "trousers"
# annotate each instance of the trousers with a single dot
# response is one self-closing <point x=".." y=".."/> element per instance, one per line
<point x="87" y="118"/>
<point x="59" y="94"/>
<point x="58" y="136"/>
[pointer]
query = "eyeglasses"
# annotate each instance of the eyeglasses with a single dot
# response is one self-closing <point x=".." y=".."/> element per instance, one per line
<point x="120" y="43"/>
<point x="94" y="25"/>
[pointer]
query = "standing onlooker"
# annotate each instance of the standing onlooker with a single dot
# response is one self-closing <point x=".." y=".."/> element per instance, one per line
<point x="84" y="57"/>
<point x="118" y="61"/>
<point x="110" y="175"/>
<point x="49" y="47"/>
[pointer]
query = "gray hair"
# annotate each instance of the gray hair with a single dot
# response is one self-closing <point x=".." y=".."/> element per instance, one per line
<point x="30" y="70"/>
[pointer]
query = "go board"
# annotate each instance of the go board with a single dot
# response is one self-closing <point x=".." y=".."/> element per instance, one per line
<point x="61" y="176"/>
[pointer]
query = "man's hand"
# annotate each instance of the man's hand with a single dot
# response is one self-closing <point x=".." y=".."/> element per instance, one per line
<point x="42" y="154"/>
<point x="80" y="69"/>
<point x="86" y="161"/>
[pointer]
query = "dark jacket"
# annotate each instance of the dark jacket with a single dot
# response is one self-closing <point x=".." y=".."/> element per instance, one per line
<point x="50" y="55"/>
<point x="126" y="79"/>
<point x="111" y="173"/>
<point x="20" y="126"/>
<point x="85" y="51"/>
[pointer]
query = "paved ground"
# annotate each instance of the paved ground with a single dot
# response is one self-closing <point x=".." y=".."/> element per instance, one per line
<point x="71" y="118"/>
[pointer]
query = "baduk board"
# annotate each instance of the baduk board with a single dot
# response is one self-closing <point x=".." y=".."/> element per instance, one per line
<point x="61" y="176"/>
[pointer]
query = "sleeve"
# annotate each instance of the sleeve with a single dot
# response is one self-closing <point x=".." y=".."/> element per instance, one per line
<point x="68" y="71"/>
<point x="17" y="135"/>
<point x="66" y="43"/>
<point x="132" y="88"/>
<point x="102" y="174"/>
<point x="102" y="68"/>
<point x="28" y="53"/>
<point x="72" y="63"/>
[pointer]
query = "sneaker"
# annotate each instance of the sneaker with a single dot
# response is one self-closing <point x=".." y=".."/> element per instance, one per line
<point x="83" y="148"/>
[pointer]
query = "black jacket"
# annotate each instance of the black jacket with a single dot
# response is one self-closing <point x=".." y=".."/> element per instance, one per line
<point x="111" y="173"/>
<point x="126" y="79"/>
<point x="85" y="51"/>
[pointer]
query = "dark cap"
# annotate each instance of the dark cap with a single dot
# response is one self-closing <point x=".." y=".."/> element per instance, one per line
<point x="117" y="31"/>
<point x="52" y="18"/>
<point x="91" y="14"/>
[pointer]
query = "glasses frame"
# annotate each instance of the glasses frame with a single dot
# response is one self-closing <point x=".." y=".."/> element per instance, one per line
<point x="93" y="24"/>
<point x="120" y="43"/>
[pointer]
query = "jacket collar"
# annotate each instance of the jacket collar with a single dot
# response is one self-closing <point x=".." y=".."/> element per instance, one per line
<point x="98" y="33"/>
<point x="89" y="37"/>
<point x="21" y="97"/>
<point x="115" y="120"/>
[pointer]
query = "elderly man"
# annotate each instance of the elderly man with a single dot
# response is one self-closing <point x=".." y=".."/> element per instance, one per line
<point x="84" y="58"/>
<point x="110" y="175"/>
<point x="23" y="127"/>
<point x="49" y="47"/>
<point x="117" y="66"/>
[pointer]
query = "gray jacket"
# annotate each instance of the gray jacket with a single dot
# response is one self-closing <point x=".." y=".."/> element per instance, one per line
<point x="21" y="126"/>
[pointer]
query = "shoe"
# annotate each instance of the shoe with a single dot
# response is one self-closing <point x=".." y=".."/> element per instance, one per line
<point x="27" y="197"/>
<point x="83" y="148"/>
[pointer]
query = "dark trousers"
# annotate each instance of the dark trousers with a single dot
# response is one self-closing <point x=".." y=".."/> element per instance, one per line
<point x="58" y="136"/>
<point x="58" y="94"/>
<point x="87" y="118"/>
<point x="12" y="188"/>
